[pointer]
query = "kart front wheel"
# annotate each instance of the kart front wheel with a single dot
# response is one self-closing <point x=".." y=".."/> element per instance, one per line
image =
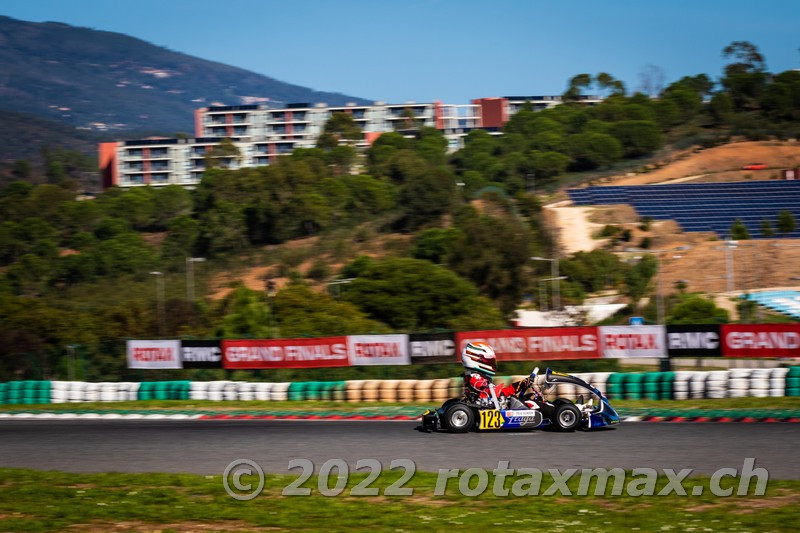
<point x="567" y="417"/>
<point x="459" y="418"/>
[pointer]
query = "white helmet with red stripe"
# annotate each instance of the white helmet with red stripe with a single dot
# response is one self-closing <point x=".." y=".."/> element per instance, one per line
<point x="479" y="356"/>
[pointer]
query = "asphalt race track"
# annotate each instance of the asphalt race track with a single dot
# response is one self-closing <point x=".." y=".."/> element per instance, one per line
<point x="207" y="447"/>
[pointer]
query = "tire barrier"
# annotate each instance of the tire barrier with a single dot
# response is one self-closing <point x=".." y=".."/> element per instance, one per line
<point x="26" y="392"/>
<point x="679" y="385"/>
<point x="793" y="381"/>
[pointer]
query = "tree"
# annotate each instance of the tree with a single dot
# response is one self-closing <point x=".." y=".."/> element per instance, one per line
<point x="686" y="96"/>
<point x="426" y="197"/>
<point x="301" y="311"/>
<point x="739" y="231"/>
<point x="609" y="85"/>
<point x="766" y="228"/>
<point x="745" y="78"/>
<point x="224" y="155"/>
<point x="638" y="277"/>
<point x="696" y="310"/>
<point x="548" y="164"/>
<point x="576" y="84"/>
<point x="413" y="295"/>
<point x="170" y="202"/>
<point x="492" y="252"/>
<point x="786" y="222"/>
<point x="182" y="237"/>
<point x="342" y="127"/>
<point x="431" y="145"/>
<point x="781" y="100"/>
<point x="721" y="108"/>
<point x="245" y="313"/>
<point x="434" y="244"/>
<point x="638" y="137"/>
<point x="222" y="228"/>
<point x="651" y="80"/>
<point x="592" y="150"/>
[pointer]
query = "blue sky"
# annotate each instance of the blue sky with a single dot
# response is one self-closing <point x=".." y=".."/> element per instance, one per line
<point x="449" y="50"/>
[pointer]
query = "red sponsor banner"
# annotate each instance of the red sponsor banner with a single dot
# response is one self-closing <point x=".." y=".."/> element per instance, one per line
<point x="285" y="353"/>
<point x="536" y="344"/>
<point x="761" y="340"/>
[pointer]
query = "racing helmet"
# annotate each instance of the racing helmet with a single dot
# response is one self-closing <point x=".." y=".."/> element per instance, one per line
<point x="479" y="356"/>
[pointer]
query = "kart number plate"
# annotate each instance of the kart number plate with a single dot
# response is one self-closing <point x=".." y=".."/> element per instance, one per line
<point x="490" y="419"/>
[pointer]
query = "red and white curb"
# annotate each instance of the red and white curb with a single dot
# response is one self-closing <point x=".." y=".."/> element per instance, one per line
<point x="354" y="417"/>
<point x="94" y="416"/>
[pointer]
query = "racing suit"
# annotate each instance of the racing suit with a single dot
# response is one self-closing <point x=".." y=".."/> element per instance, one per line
<point x="475" y="382"/>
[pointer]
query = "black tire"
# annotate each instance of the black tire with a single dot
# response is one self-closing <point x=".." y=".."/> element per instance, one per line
<point x="459" y="418"/>
<point x="450" y="402"/>
<point x="567" y="417"/>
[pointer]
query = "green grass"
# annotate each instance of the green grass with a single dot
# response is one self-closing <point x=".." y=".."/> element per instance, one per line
<point x="201" y="405"/>
<point x="47" y="501"/>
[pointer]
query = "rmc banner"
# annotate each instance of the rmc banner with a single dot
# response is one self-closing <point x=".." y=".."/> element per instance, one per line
<point x="760" y="340"/>
<point x="632" y="341"/>
<point x="147" y="354"/>
<point x="432" y="348"/>
<point x="285" y="353"/>
<point x="201" y="354"/>
<point x="702" y="340"/>
<point x="528" y="344"/>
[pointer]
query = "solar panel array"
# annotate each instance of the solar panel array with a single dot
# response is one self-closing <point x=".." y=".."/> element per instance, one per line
<point x="705" y="206"/>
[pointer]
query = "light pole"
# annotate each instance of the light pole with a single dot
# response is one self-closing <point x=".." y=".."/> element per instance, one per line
<point x="160" y="301"/>
<point x="555" y="279"/>
<point x="729" y="271"/>
<point x="542" y="283"/>
<point x="190" y="261"/>
<point x="659" y="293"/>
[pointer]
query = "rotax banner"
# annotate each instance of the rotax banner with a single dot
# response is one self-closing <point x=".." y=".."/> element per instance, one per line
<point x="369" y="350"/>
<point x="632" y="341"/>
<point x="760" y="340"/>
<point x="285" y="353"/>
<point x="154" y="354"/>
<point x="526" y="344"/>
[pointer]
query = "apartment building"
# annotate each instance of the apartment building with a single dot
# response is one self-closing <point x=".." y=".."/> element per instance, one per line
<point x="262" y="133"/>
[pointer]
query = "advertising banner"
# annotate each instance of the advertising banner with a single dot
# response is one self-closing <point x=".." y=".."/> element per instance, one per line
<point x="760" y="340"/>
<point x="285" y="353"/>
<point x="541" y="344"/>
<point x="702" y="340"/>
<point x="154" y="354"/>
<point x="201" y="354"/>
<point x="432" y="348"/>
<point x="632" y="341"/>
<point x="370" y="350"/>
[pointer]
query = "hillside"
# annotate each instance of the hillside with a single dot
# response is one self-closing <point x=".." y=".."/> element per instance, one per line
<point x="720" y="163"/>
<point x="23" y="136"/>
<point x="106" y="80"/>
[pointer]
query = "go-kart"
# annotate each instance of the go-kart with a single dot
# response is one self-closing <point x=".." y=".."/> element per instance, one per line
<point x="526" y="408"/>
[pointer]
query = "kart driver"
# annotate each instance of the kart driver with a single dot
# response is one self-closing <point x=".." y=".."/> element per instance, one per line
<point x="481" y="363"/>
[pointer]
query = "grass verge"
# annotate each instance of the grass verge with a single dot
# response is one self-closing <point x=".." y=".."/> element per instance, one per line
<point x="322" y="406"/>
<point x="46" y="501"/>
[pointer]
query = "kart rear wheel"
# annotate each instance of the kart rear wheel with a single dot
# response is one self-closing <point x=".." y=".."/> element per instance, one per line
<point x="567" y="417"/>
<point x="459" y="418"/>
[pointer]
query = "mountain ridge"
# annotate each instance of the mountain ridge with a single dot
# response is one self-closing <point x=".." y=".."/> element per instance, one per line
<point x="110" y="81"/>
